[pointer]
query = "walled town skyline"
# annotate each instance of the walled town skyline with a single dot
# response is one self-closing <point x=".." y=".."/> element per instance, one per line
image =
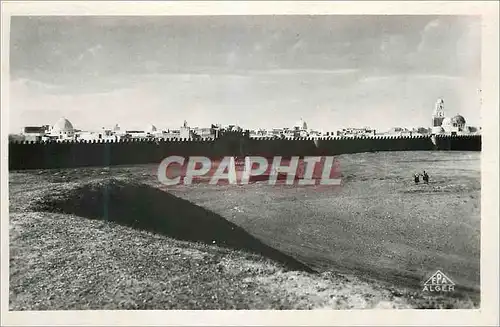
<point x="168" y="127"/>
<point x="334" y="71"/>
<point x="64" y="129"/>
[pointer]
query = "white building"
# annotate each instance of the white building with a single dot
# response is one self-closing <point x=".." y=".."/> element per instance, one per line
<point x="300" y="129"/>
<point x="441" y="124"/>
<point x="118" y="131"/>
<point x="136" y="134"/>
<point x="301" y="125"/>
<point x="62" y="130"/>
<point x="438" y="117"/>
<point x="356" y="132"/>
<point x="104" y="134"/>
<point x="34" y="133"/>
<point x="152" y="131"/>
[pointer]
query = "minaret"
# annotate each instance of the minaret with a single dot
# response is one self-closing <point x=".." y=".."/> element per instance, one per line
<point x="438" y="115"/>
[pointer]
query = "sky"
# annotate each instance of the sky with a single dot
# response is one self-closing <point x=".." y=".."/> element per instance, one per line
<point x="333" y="71"/>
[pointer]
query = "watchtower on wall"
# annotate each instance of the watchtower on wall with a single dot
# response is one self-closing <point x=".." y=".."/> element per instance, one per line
<point x="438" y="115"/>
<point x="185" y="131"/>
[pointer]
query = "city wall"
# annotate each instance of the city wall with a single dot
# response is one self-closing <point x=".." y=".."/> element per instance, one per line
<point x="72" y="154"/>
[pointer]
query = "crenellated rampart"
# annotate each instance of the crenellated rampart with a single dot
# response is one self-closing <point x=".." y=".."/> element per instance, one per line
<point x="71" y="154"/>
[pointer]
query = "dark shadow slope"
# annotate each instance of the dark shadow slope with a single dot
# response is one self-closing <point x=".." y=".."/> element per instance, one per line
<point x="144" y="207"/>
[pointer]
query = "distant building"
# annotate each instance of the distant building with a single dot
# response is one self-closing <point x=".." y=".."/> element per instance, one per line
<point x="438" y="115"/>
<point x="315" y="133"/>
<point x="152" y="132"/>
<point x="136" y="134"/>
<point x="301" y="125"/>
<point x="34" y="133"/>
<point x="185" y="131"/>
<point x="104" y="134"/>
<point x="234" y="128"/>
<point x="277" y="132"/>
<point x="423" y="130"/>
<point x="446" y="125"/>
<point x="287" y="132"/>
<point x="258" y="133"/>
<point x="400" y="131"/>
<point x="458" y="122"/>
<point x="204" y="132"/>
<point x="356" y="132"/>
<point x="300" y="129"/>
<point x="215" y="130"/>
<point x="171" y="134"/>
<point x="150" y="129"/>
<point x="62" y="130"/>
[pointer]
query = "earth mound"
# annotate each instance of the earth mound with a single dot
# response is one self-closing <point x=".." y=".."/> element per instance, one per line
<point x="145" y="207"/>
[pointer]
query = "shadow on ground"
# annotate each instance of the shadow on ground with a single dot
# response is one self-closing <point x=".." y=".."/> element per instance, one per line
<point x="145" y="207"/>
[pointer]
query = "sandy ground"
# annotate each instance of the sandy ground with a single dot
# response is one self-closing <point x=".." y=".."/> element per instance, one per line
<point x="377" y="222"/>
<point x="372" y="241"/>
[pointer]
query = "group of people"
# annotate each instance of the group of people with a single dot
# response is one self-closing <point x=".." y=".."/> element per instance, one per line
<point x="424" y="175"/>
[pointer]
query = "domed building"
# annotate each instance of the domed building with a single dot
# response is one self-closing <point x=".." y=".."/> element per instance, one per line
<point x="459" y="122"/>
<point x="150" y="129"/>
<point x="63" y="129"/>
<point x="446" y="125"/>
<point x="300" y="129"/>
<point x="300" y="125"/>
<point x="63" y="125"/>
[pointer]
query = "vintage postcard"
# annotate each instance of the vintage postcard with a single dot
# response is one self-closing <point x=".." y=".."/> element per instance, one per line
<point x="189" y="163"/>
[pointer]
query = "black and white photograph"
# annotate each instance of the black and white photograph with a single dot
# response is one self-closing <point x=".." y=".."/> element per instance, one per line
<point x="245" y="162"/>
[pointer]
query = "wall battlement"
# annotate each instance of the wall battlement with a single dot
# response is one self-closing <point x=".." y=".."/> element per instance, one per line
<point x="82" y="153"/>
<point x="377" y="137"/>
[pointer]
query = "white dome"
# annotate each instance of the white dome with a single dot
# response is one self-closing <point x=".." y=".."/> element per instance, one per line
<point x="63" y="125"/>
<point x="458" y="120"/>
<point x="151" y="128"/>
<point x="301" y="124"/>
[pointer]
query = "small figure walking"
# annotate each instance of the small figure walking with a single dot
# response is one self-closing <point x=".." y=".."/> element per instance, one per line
<point x="425" y="177"/>
<point x="417" y="178"/>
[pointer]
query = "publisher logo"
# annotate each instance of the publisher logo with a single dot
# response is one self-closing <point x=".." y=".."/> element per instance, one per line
<point x="439" y="282"/>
